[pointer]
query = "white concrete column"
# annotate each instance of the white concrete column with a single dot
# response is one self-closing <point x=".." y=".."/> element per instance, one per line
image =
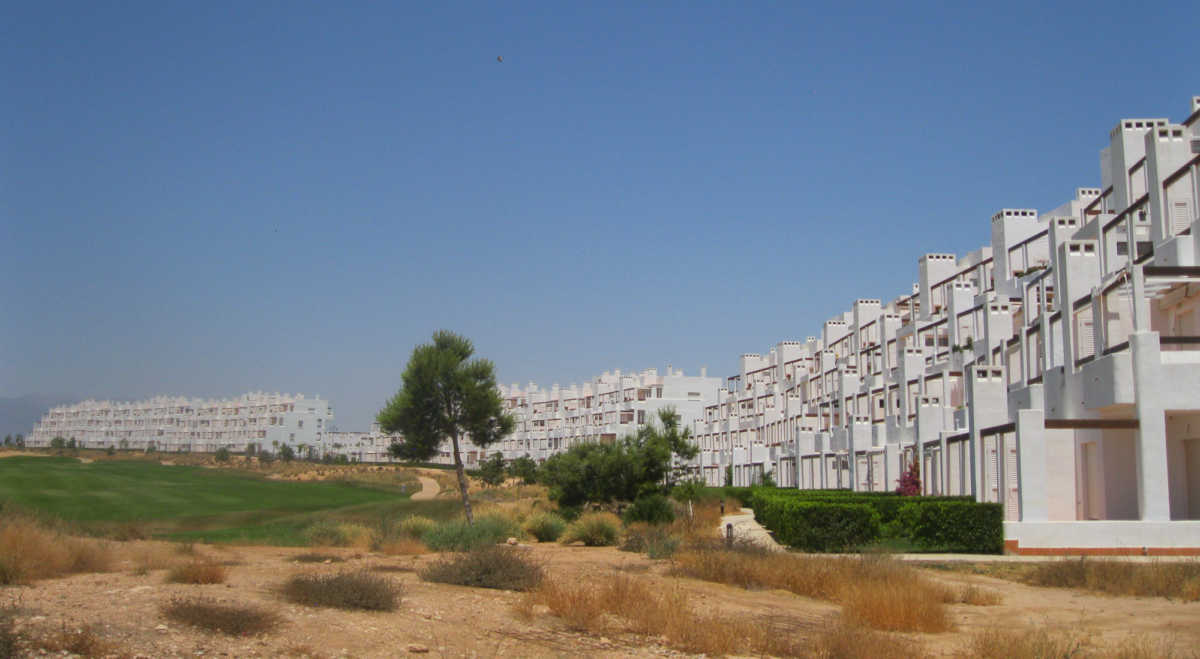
<point x="1153" y="493"/>
<point x="1031" y="465"/>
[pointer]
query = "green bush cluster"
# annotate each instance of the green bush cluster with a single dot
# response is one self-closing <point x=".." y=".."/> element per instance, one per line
<point x="458" y="535"/>
<point x="837" y="520"/>
<point x="651" y="509"/>
<point x="594" y="530"/>
<point x="545" y="527"/>
<point x="656" y="541"/>
<point x="500" y="567"/>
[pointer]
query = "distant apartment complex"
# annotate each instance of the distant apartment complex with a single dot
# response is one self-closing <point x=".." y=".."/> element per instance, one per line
<point x="166" y="423"/>
<point x="608" y="407"/>
<point x="1055" y="371"/>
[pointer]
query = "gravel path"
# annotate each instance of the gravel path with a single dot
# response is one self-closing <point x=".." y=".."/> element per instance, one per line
<point x="429" y="489"/>
<point x="747" y="529"/>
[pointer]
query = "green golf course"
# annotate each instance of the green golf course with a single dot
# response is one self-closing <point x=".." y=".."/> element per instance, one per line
<point x="195" y="503"/>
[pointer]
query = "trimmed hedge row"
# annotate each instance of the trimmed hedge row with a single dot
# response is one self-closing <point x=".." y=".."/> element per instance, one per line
<point x="967" y="526"/>
<point x="887" y="504"/>
<point x="838" y="520"/>
<point x="819" y="526"/>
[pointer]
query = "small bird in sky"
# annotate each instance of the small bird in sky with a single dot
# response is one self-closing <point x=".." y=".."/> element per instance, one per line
<point x="500" y="58"/>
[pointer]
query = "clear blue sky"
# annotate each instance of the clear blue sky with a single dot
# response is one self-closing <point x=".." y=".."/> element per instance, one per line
<point x="210" y="198"/>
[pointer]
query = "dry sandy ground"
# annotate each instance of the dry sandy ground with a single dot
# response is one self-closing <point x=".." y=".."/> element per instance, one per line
<point x="454" y="621"/>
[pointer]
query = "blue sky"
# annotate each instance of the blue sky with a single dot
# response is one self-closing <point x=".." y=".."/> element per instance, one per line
<point x="211" y="198"/>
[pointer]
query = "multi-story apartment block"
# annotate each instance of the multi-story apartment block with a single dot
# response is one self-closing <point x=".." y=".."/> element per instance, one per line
<point x="1055" y="371"/>
<point x="373" y="446"/>
<point x="610" y="406"/>
<point x="190" y="424"/>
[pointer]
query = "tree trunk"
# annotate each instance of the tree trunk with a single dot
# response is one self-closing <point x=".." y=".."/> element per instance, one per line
<point x="462" y="481"/>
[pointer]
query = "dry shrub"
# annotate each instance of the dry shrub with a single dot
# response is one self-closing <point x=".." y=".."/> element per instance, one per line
<point x="645" y="608"/>
<point x="1141" y="646"/>
<point x="126" y="531"/>
<point x="317" y="557"/>
<point x="147" y="556"/>
<point x="1033" y="643"/>
<point x="654" y="540"/>
<point x="232" y="619"/>
<point x="357" y="589"/>
<point x="845" y="641"/>
<point x="700" y="525"/>
<point x="873" y="590"/>
<point x="197" y="572"/>
<point x="8" y="635"/>
<point x="415" y="526"/>
<point x="31" y="550"/>
<point x="819" y="578"/>
<point x="402" y="546"/>
<point x="1179" y="580"/>
<point x="579" y="608"/>
<point x="83" y="641"/>
<point x="500" y="567"/>
<point x="330" y="533"/>
<point x="894" y="604"/>
<point x="973" y="595"/>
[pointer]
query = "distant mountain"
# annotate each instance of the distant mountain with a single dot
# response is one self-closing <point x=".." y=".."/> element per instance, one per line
<point x="17" y="415"/>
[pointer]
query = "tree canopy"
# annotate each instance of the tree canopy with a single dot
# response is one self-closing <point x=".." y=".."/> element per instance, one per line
<point x="619" y="471"/>
<point x="445" y="395"/>
<point x="491" y="470"/>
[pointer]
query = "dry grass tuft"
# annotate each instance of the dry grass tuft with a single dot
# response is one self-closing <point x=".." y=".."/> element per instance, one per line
<point x="402" y="547"/>
<point x="197" y="572"/>
<point x="82" y="641"/>
<point x="500" y="567"/>
<point x="873" y="590"/>
<point x="8" y="635"/>
<point x="232" y="619"/>
<point x="147" y="556"/>
<point x="357" y="589"/>
<point x="845" y="641"/>
<point x="893" y="597"/>
<point x="316" y="557"/>
<point x="973" y="595"/>
<point x="31" y="550"/>
<point x="1021" y="644"/>
<point x="622" y="603"/>
<point x="1114" y="577"/>
<point x="706" y="516"/>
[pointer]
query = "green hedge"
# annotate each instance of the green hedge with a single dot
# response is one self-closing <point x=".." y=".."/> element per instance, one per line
<point x="966" y="526"/>
<point x="824" y="523"/>
<point x="887" y="504"/>
<point x="816" y="526"/>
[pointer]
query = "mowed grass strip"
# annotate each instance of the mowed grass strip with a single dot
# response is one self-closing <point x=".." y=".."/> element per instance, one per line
<point x="99" y="494"/>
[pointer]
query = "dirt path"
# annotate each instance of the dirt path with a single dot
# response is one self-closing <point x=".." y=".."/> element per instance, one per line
<point x="429" y="489"/>
<point x="747" y="529"/>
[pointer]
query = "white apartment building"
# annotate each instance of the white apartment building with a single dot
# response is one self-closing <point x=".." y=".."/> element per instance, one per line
<point x="1055" y="371"/>
<point x="169" y="423"/>
<point x="610" y="406"/>
<point x="370" y="446"/>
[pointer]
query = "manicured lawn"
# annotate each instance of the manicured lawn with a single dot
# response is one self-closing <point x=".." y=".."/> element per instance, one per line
<point x="193" y="502"/>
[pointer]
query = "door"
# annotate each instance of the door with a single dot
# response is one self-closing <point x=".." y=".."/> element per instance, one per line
<point x="1012" y="490"/>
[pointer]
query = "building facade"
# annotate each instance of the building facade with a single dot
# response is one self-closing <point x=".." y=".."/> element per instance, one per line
<point x="166" y="423"/>
<point x="608" y="407"/>
<point x="1055" y="371"/>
